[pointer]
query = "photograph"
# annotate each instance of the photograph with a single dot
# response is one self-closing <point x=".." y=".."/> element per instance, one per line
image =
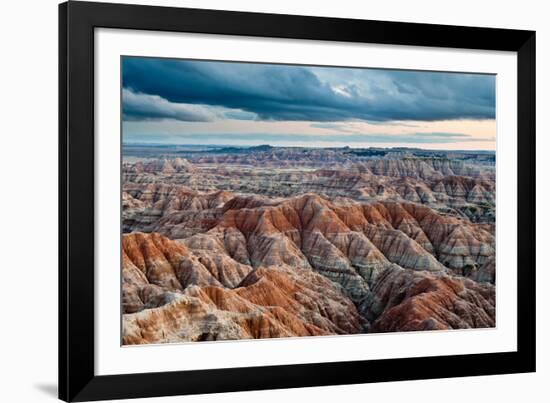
<point x="272" y="202"/>
<point x="263" y="200"/>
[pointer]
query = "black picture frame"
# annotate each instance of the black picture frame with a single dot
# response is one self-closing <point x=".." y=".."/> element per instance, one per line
<point x="77" y="379"/>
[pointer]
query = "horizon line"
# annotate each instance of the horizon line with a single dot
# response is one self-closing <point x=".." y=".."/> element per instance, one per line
<point x="152" y="144"/>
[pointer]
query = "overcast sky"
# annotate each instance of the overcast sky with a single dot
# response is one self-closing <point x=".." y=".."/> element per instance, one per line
<point x="203" y="102"/>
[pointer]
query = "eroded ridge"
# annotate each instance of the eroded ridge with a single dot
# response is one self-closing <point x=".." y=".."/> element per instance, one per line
<point x="277" y="244"/>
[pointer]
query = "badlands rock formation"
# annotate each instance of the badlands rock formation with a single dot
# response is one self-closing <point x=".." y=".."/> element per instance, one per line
<point x="174" y="293"/>
<point x="446" y="185"/>
<point x="404" y="300"/>
<point x="271" y="244"/>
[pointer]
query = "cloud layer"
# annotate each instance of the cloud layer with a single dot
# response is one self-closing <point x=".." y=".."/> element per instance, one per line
<point x="202" y="91"/>
<point x="301" y="139"/>
<point x="138" y="106"/>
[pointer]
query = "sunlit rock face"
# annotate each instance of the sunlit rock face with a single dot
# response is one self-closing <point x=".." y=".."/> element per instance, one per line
<point x="298" y="242"/>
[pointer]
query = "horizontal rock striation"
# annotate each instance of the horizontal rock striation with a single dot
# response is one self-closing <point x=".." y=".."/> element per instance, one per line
<point x="268" y="242"/>
<point x="308" y="266"/>
<point x="172" y="293"/>
<point x="451" y="186"/>
<point x="404" y="300"/>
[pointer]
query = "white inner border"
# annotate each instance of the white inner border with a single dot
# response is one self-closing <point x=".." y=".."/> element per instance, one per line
<point x="111" y="358"/>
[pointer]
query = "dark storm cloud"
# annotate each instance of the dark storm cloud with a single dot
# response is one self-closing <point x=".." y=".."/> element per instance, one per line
<point x="278" y="92"/>
<point x="137" y="106"/>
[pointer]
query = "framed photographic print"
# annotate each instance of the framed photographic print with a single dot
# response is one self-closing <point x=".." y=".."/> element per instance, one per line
<point x="259" y="201"/>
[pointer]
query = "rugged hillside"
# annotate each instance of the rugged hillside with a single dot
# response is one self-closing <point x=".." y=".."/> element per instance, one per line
<point x="159" y="166"/>
<point x="173" y="293"/>
<point x="176" y="211"/>
<point x="446" y="185"/>
<point x="253" y="242"/>
<point x="403" y="300"/>
<point x="407" y="234"/>
<point x="305" y="266"/>
<point x="424" y="168"/>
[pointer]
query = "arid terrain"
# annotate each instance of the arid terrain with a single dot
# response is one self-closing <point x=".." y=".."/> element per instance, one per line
<point x="224" y="243"/>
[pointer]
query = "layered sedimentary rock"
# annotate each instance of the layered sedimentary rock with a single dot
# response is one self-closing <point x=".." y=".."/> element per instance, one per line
<point x="404" y="300"/>
<point x="340" y="252"/>
<point x="424" y="168"/>
<point x="176" y="211"/>
<point x="452" y="186"/>
<point x="159" y="166"/>
<point x="173" y="294"/>
<point x="285" y="242"/>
